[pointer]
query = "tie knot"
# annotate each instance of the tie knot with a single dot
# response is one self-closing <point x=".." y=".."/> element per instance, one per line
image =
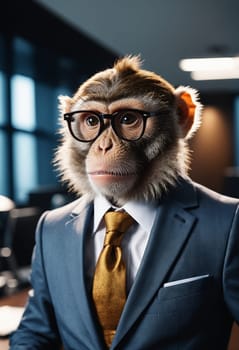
<point x="117" y="223"/>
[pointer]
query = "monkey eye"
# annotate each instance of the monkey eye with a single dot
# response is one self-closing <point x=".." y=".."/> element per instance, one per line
<point x="92" y="120"/>
<point x="129" y="118"/>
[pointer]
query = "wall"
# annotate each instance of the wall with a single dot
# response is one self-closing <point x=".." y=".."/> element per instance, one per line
<point x="212" y="148"/>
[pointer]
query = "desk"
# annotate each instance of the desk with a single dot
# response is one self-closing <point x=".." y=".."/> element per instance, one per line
<point x="20" y="298"/>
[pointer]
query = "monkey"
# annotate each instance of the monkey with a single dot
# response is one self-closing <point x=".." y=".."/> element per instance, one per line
<point x="137" y="169"/>
<point x="124" y="151"/>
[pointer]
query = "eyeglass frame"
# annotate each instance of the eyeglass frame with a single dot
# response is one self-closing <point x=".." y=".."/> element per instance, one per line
<point x="144" y="114"/>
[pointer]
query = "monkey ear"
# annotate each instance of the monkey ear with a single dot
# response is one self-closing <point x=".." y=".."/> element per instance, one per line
<point x="189" y="110"/>
<point x="65" y="103"/>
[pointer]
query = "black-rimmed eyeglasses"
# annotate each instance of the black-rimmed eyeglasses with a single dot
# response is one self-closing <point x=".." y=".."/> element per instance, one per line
<point x="128" y="124"/>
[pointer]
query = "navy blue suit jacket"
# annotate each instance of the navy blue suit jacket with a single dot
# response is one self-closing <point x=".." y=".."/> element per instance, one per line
<point x="194" y="244"/>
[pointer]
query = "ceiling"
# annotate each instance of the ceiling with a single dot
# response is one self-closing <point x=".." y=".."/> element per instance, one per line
<point x="162" y="32"/>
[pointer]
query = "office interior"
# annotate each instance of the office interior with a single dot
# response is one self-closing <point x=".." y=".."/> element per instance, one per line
<point x="42" y="57"/>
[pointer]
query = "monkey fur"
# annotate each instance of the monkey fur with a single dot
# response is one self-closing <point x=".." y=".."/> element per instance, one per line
<point x="129" y="170"/>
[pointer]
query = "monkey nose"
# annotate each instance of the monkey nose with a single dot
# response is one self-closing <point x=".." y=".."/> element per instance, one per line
<point x="105" y="144"/>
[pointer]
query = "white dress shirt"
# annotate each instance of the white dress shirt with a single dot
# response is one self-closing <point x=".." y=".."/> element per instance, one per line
<point x="134" y="241"/>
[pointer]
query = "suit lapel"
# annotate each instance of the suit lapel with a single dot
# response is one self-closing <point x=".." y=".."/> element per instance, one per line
<point x="169" y="234"/>
<point x="77" y="229"/>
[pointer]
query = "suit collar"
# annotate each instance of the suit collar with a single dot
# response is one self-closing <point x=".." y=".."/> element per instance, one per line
<point x="183" y="192"/>
<point x="81" y="205"/>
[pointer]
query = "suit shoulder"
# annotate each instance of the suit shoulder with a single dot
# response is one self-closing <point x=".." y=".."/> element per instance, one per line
<point x="191" y="194"/>
<point x="219" y="208"/>
<point x="206" y="193"/>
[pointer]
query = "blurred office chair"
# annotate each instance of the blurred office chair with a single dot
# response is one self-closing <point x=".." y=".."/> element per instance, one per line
<point x="18" y="244"/>
<point x="49" y="197"/>
<point x="6" y="205"/>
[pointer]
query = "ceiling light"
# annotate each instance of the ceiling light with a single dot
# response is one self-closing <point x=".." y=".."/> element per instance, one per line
<point x="211" y="68"/>
<point x="215" y="75"/>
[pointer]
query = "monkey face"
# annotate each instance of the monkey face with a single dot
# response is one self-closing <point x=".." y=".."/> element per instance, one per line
<point x="125" y="156"/>
<point x="114" y="165"/>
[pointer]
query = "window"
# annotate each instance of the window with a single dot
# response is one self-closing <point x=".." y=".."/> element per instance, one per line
<point x="4" y="173"/>
<point x="29" y="90"/>
<point x="236" y="131"/>
<point x="25" y="165"/>
<point x="23" y="103"/>
<point x="2" y="99"/>
<point x="4" y="169"/>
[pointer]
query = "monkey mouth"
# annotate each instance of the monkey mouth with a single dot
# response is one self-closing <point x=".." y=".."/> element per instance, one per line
<point x="110" y="173"/>
<point x="104" y="178"/>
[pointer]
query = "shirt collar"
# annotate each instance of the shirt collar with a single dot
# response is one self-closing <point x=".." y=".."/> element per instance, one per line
<point x="143" y="213"/>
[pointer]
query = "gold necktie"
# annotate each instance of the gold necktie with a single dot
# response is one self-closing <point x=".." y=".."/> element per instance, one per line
<point x="109" y="284"/>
